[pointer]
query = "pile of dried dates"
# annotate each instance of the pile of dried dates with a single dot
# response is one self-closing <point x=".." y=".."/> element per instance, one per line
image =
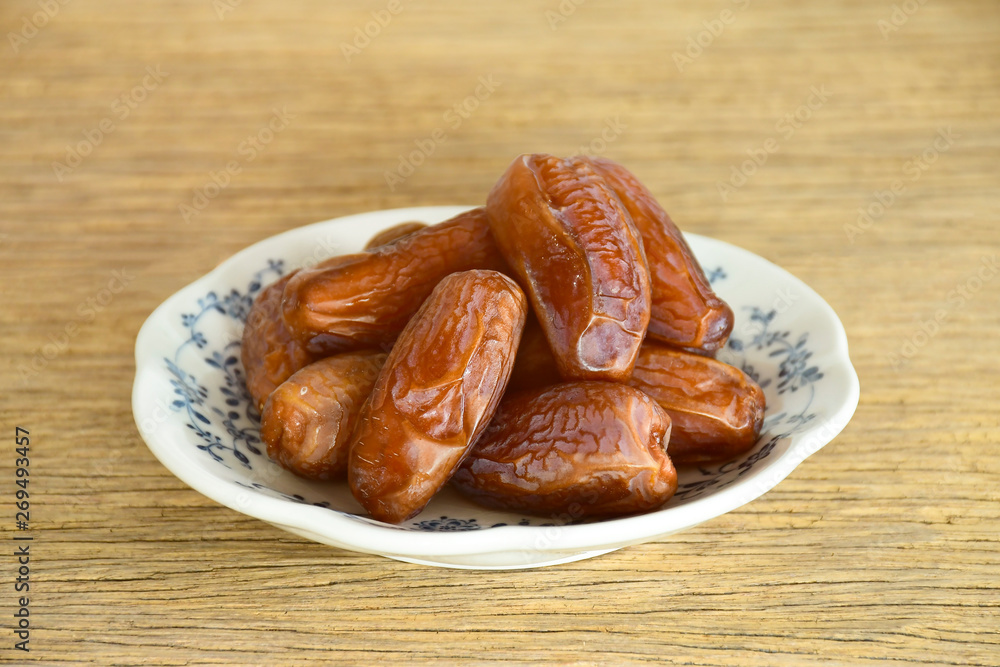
<point x="539" y="353"/>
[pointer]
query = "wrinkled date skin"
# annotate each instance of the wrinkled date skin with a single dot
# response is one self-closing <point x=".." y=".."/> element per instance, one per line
<point x="717" y="410"/>
<point x="571" y="451"/>
<point x="573" y="246"/>
<point x="365" y="299"/>
<point x="270" y="354"/>
<point x="308" y="420"/>
<point x="393" y="234"/>
<point x="437" y="391"/>
<point x="534" y="366"/>
<point x="685" y="310"/>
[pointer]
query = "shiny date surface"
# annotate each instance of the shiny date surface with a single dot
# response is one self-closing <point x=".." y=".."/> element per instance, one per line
<point x="269" y="352"/>
<point x="365" y="299"/>
<point x="574" y="248"/>
<point x="534" y="365"/>
<point x="393" y="234"/>
<point x="717" y="410"/>
<point x="575" y="450"/>
<point x="308" y="420"/>
<point x="685" y="311"/>
<point x="438" y="389"/>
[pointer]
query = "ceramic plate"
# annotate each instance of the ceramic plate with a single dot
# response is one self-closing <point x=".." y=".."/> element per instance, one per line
<point x="196" y="416"/>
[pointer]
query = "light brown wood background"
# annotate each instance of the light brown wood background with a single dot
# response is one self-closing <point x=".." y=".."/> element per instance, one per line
<point x="881" y="547"/>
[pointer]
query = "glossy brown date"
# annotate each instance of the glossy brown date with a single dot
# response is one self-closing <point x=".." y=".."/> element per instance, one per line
<point x="365" y="300"/>
<point x="573" y="247"/>
<point x="534" y="365"/>
<point x="438" y="389"/>
<point x="573" y="450"/>
<point x="685" y="310"/>
<point x="270" y="354"/>
<point x="308" y="420"/>
<point x="393" y="234"/>
<point x="717" y="410"/>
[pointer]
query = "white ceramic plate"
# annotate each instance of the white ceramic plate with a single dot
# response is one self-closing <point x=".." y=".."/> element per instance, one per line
<point x="194" y="412"/>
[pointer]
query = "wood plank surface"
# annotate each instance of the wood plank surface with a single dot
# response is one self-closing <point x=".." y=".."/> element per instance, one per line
<point x="881" y="548"/>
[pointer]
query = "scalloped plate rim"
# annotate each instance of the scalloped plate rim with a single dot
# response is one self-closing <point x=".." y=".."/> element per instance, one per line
<point x="417" y="545"/>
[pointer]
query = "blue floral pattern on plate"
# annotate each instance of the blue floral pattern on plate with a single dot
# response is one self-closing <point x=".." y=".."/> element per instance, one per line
<point x="210" y="391"/>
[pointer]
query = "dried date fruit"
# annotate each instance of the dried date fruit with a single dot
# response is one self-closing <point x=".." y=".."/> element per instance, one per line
<point x="438" y="389"/>
<point x="685" y="310"/>
<point x="270" y="354"/>
<point x="573" y="450"/>
<point x="393" y="234"/>
<point x="694" y="350"/>
<point x="573" y="246"/>
<point x="717" y="410"/>
<point x="365" y="299"/>
<point x="308" y="420"/>
<point x="534" y="366"/>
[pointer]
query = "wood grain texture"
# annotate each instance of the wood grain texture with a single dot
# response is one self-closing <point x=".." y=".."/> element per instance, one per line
<point x="881" y="547"/>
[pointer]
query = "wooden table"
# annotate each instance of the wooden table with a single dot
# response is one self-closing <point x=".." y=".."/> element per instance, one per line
<point x="883" y="546"/>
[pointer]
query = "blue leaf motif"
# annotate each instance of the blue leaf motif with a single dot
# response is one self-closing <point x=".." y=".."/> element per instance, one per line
<point x="240" y="427"/>
<point x="217" y="406"/>
<point x="446" y="525"/>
